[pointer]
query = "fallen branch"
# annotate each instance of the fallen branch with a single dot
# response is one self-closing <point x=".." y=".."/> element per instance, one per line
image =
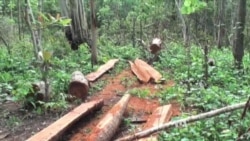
<point x="182" y="122"/>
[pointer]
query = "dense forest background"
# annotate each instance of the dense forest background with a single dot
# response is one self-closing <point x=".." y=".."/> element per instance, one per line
<point x="205" y="51"/>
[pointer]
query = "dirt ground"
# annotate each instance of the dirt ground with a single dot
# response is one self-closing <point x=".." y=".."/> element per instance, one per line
<point x="18" y="125"/>
<point x="138" y="108"/>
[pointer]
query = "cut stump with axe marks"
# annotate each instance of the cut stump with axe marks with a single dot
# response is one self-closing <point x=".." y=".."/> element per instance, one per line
<point x="79" y="85"/>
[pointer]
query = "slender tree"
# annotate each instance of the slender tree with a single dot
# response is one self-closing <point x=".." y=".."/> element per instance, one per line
<point x="93" y="32"/>
<point x="221" y="24"/>
<point x="30" y="20"/>
<point x="238" y="46"/>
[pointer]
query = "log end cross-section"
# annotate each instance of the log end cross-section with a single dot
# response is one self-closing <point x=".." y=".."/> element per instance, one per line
<point x="79" y="85"/>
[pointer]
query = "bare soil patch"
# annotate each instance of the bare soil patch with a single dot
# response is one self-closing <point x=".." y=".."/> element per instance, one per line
<point x="138" y="108"/>
<point x="17" y="124"/>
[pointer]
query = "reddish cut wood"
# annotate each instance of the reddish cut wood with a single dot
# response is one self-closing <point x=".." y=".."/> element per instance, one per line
<point x="101" y="70"/>
<point x="79" y="85"/>
<point x="141" y="73"/>
<point x="56" y="129"/>
<point x="107" y="127"/>
<point x="144" y="71"/>
<point x="151" y="71"/>
<point x="160" y="116"/>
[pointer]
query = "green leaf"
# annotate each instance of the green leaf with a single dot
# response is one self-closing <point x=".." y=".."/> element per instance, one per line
<point x="47" y="55"/>
<point x="64" y="22"/>
<point x="192" y="6"/>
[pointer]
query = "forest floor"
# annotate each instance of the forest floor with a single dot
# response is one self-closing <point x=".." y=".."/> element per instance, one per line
<point x="18" y="125"/>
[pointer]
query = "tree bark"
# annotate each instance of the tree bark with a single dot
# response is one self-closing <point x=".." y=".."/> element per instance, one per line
<point x="94" y="33"/>
<point x="77" y="33"/>
<point x="238" y="47"/>
<point x="182" y="122"/>
<point x="19" y="19"/>
<point x="79" y="85"/>
<point x="221" y="24"/>
<point x="184" y="25"/>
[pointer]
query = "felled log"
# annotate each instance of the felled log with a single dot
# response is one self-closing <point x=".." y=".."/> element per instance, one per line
<point x="56" y="129"/>
<point x="159" y="117"/>
<point x="107" y="127"/>
<point x="79" y="85"/>
<point x="144" y="71"/>
<point x="101" y="70"/>
<point x="155" y="75"/>
<point x="155" y="46"/>
<point x="141" y="73"/>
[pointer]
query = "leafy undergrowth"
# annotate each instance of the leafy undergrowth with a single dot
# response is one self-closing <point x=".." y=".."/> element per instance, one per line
<point x="226" y="86"/>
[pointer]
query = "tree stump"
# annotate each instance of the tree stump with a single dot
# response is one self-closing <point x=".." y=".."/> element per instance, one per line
<point x="79" y="85"/>
<point x="39" y="90"/>
<point x="155" y="46"/>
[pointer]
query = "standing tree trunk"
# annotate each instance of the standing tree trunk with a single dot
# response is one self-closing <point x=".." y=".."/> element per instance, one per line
<point x="19" y="19"/>
<point x="77" y="33"/>
<point x="39" y="30"/>
<point x="221" y="24"/>
<point x="133" y="32"/>
<point x="34" y="32"/>
<point x="184" y="25"/>
<point x="93" y="33"/>
<point x="238" y="47"/>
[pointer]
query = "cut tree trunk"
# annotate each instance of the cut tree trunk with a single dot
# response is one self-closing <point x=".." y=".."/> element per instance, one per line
<point x="144" y="71"/>
<point x="107" y="127"/>
<point x="101" y="70"/>
<point x="159" y="117"/>
<point x="155" y="46"/>
<point x="56" y="129"/>
<point x="181" y="122"/>
<point x="79" y="85"/>
<point x="40" y="91"/>
<point x="141" y="74"/>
